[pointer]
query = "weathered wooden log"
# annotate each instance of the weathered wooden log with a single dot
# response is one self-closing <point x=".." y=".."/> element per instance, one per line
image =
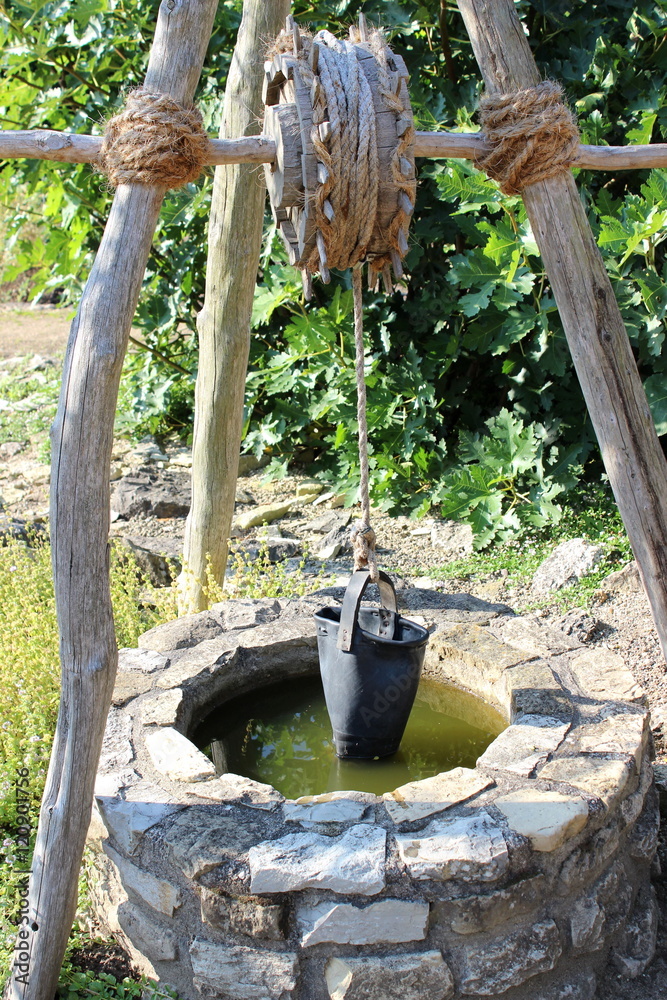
<point x="234" y="246"/>
<point x="81" y="448"/>
<point x="591" y="318"/>
<point x="68" y="147"/>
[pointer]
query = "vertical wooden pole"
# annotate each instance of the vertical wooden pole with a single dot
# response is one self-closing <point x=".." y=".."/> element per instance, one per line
<point x="82" y="437"/>
<point x="234" y="244"/>
<point x="591" y="318"/>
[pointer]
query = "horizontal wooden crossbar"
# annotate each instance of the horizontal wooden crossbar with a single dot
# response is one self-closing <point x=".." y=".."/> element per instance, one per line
<point x="41" y="144"/>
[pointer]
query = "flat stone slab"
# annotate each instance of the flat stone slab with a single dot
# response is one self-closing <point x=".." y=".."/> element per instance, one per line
<point x="243" y="973"/>
<point x="416" y="800"/>
<point x="330" y="807"/>
<point x="353" y="862"/>
<point x="467" y="848"/>
<point x="161" y="895"/>
<point x="525" y="744"/>
<point x="204" y="837"/>
<point x="176" y="757"/>
<point x="604" y="777"/>
<point x="510" y="961"/>
<point x="547" y="819"/>
<point x="425" y="976"/>
<point x="390" y="921"/>
<point x="238" y="790"/>
<point x="623" y="733"/>
<point x="603" y="674"/>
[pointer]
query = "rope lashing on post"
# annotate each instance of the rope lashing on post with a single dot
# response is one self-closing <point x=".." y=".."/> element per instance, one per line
<point x="532" y="136"/>
<point x="357" y="136"/>
<point x="154" y="140"/>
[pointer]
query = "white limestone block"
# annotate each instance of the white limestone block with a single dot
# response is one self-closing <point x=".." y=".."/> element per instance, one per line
<point x="390" y="921"/>
<point x="547" y="819"/>
<point x="469" y="848"/>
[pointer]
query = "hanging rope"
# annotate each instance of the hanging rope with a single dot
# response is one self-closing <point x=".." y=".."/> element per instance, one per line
<point x="363" y="536"/>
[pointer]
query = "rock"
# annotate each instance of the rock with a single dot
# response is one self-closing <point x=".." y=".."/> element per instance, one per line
<point x="353" y="862"/>
<point x="129" y="686"/>
<point x="524" y="745"/>
<point x="182" y="633"/>
<point x="579" y="624"/>
<point x="127" y="820"/>
<point x="532" y="637"/>
<point x="153" y="940"/>
<point x="622" y="581"/>
<point x="163" y="708"/>
<point x="454" y="537"/>
<point x="243" y="973"/>
<point x="161" y="895"/>
<point x="391" y="921"/>
<point x="510" y="960"/>
<point x="249" y="463"/>
<point x="204" y="837"/>
<point x="146" y="452"/>
<point x="603" y="777"/>
<point x="182" y="459"/>
<point x="466" y="848"/>
<point x="239" y="790"/>
<point x="117" y="748"/>
<point x="328" y="522"/>
<point x="424" y="976"/>
<point x="567" y="564"/>
<point x="9" y="449"/>
<point x="475" y="651"/>
<point x="262" y="514"/>
<point x="159" y="559"/>
<point x="547" y="819"/>
<point x="163" y="495"/>
<point x="176" y="757"/>
<point x="586" y="925"/>
<point x="417" y="799"/>
<point x="309" y="488"/>
<point x="277" y="548"/>
<point x="620" y="733"/>
<point x="534" y="690"/>
<point x="478" y="914"/>
<point x="588" y="857"/>
<point x="330" y="807"/>
<point x="643" y="839"/>
<point x="336" y="541"/>
<point x="603" y="674"/>
<point x="19" y="528"/>
<point x="244" y="916"/>
<point x="636" y="947"/>
<point x="145" y="660"/>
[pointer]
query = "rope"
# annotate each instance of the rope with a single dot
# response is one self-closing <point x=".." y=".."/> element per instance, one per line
<point x="531" y="134"/>
<point x="363" y="536"/>
<point x="154" y="140"/>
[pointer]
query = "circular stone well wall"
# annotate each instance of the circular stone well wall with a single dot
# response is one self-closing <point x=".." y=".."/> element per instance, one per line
<point x="521" y="878"/>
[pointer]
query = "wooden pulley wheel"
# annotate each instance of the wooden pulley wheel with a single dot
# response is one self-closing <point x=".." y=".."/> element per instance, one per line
<point x="298" y="120"/>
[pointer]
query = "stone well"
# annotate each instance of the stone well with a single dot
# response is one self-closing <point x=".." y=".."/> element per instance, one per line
<point x="521" y="878"/>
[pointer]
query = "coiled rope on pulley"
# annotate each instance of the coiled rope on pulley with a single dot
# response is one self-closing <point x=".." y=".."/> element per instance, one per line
<point x="355" y="91"/>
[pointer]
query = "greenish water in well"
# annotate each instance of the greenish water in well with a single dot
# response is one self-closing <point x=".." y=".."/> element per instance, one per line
<point x="281" y="735"/>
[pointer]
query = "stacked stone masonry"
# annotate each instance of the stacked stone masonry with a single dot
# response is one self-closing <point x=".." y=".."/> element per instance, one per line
<point x="522" y="878"/>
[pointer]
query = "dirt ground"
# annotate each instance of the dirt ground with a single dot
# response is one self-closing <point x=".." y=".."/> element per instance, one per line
<point x="624" y="624"/>
<point x="33" y="330"/>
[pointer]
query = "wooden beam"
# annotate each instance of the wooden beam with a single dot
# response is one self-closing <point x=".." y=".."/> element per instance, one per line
<point x="591" y="318"/>
<point x="82" y="437"/>
<point x="68" y="147"/>
<point x="234" y="247"/>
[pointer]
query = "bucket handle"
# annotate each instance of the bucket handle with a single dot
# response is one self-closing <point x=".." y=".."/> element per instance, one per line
<point x="350" y="610"/>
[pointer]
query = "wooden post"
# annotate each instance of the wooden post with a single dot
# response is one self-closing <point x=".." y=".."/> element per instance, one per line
<point x="234" y="245"/>
<point x="82" y="437"/>
<point x="591" y="318"/>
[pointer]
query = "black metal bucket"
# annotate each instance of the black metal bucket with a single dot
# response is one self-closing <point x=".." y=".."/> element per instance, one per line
<point x="370" y="660"/>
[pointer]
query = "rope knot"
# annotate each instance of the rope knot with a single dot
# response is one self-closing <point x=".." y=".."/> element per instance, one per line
<point x="531" y="134"/>
<point x="154" y="140"/>
<point x="363" y="544"/>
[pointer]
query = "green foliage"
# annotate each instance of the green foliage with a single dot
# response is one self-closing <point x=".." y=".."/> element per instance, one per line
<point x="475" y="332"/>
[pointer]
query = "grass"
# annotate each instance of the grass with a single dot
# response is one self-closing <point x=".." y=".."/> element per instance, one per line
<point x="28" y="402"/>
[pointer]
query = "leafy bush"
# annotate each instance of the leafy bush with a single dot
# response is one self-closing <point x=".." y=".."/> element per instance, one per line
<point x="473" y="334"/>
